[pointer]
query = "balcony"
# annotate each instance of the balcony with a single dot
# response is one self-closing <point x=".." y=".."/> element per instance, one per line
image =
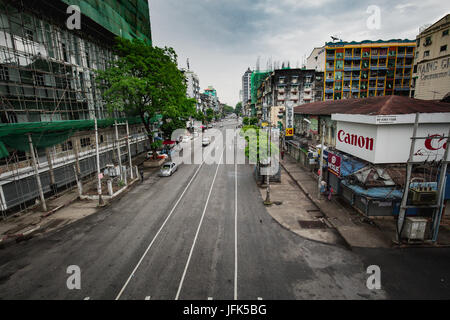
<point x="329" y="90"/>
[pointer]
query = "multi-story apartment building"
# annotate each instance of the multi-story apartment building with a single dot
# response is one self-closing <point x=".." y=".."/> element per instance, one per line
<point x="193" y="87"/>
<point x="214" y="99"/>
<point x="431" y="75"/>
<point x="368" y="68"/>
<point x="47" y="73"/>
<point x="316" y="60"/>
<point x="296" y="86"/>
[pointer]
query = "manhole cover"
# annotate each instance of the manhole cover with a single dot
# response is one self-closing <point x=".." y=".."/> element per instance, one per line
<point x="317" y="224"/>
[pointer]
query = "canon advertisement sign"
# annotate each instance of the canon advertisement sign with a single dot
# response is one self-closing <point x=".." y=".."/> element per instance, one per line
<point x="357" y="139"/>
<point x="391" y="143"/>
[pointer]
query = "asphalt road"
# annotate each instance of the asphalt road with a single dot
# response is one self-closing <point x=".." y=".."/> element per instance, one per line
<point x="200" y="234"/>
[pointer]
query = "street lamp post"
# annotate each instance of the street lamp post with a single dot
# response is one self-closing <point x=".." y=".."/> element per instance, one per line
<point x="269" y="153"/>
<point x="321" y="160"/>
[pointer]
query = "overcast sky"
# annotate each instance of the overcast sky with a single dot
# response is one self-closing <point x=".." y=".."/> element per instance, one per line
<point x="222" y="38"/>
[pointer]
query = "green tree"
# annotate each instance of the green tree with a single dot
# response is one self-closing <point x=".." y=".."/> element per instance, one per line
<point x="145" y="81"/>
<point x="199" y="116"/>
<point x="238" y="109"/>
<point x="210" y="115"/>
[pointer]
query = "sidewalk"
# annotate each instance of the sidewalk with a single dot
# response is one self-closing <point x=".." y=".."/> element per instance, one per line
<point x="356" y="229"/>
<point x="63" y="210"/>
<point x="350" y="225"/>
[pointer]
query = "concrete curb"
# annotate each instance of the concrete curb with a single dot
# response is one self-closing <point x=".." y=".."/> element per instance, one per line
<point x="346" y="242"/>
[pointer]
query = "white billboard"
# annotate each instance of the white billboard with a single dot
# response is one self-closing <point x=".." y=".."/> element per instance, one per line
<point x="380" y="144"/>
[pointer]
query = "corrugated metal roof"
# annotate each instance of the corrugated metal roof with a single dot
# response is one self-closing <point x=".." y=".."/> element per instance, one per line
<point x="385" y="105"/>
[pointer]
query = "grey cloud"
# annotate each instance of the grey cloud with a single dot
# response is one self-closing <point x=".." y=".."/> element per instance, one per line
<point x="224" y="37"/>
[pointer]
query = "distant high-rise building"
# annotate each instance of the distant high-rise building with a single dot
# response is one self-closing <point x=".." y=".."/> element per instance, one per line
<point x="368" y="68"/>
<point x="246" y="86"/>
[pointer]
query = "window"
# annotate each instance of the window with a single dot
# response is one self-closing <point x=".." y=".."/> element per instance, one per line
<point x="85" y="142"/>
<point x="445" y="33"/>
<point x="88" y="62"/>
<point x="39" y="80"/>
<point x="426" y="53"/>
<point x="427" y="41"/>
<point x="64" y="51"/>
<point x="418" y="43"/>
<point x="29" y="34"/>
<point x="4" y="73"/>
<point x="443" y="48"/>
<point x="67" y="146"/>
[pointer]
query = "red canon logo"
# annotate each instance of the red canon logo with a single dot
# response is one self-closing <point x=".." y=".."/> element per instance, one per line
<point x="355" y="140"/>
<point x="433" y="144"/>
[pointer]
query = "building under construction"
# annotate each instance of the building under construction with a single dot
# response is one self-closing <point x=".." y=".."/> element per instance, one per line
<point x="47" y="75"/>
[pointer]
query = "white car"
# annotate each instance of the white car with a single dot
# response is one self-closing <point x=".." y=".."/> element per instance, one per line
<point x="206" y="141"/>
<point x="168" y="169"/>
<point x="185" y="139"/>
<point x="159" y="155"/>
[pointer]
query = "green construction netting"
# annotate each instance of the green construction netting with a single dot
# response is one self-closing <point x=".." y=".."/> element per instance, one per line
<point x="256" y="80"/>
<point x="47" y="134"/>
<point x="129" y="19"/>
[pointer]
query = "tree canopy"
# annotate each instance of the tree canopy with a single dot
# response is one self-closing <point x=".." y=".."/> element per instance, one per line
<point x="145" y="81"/>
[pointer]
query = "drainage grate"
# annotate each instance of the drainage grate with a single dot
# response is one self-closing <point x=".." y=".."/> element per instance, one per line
<point x="317" y="224"/>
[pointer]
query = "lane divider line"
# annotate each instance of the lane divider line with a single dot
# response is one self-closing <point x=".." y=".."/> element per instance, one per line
<point x="235" y="226"/>
<point x="157" y="234"/>
<point x="198" y="229"/>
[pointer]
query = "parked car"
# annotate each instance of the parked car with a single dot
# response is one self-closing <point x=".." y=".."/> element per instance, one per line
<point x="206" y="141"/>
<point x="160" y="155"/>
<point x="168" y="169"/>
<point x="185" y="139"/>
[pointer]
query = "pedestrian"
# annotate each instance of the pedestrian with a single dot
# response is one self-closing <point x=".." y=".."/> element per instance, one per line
<point x="141" y="172"/>
<point x="282" y="154"/>
<point x="323" y="187"/>
<point x="330" y="194"/>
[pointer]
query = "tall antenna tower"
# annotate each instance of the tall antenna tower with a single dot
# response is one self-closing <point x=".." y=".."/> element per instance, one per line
<point x="258" y="61"/>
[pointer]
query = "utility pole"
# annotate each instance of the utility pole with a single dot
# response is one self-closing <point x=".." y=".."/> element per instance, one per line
<point x="269" y="154"/>
<point x="118" y="149"/>
<point x="36" y="172"/>
<point x="402" y="213"/>
<point x="441" y="189"/>
<point x="99" y="180"/>
<point x="321" y="160"/>
<point x="129" y="151"/>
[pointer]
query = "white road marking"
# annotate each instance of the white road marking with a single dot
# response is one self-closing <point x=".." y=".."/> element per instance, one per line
<point x="157" y="234"/>
<point x="198" y="229"/>
<point x="235" y="231"/>
<point x="148" y="298"/>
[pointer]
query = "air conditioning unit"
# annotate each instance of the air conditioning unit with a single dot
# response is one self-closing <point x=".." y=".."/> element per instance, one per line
<point x="422" y="196"/>
<point x="414" y="228"/>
